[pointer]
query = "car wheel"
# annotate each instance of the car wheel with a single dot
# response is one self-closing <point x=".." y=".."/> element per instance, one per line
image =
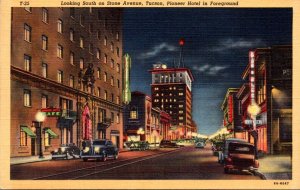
<point x="226" y="170"/>
<point x="85" y="159"/>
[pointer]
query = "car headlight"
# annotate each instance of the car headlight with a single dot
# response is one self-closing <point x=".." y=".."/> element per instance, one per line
<point x="63" y="149"/>
<point x="56" y="150"/>
<point x="86" y="149"/>
<point x="97" y="150"/>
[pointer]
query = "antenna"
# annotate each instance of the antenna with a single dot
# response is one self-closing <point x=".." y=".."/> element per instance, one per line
<point x="181" y="44"/>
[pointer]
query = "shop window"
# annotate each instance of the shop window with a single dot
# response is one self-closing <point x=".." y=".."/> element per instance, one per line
<point x="23" y="137"/>
<point x="133" y="113"/>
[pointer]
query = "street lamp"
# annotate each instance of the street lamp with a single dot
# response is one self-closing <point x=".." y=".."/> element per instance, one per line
<point x="40" y="118"/>
<point x="253" y="109"/>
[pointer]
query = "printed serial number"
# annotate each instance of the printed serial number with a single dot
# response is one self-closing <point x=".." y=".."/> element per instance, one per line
<point x="24" y="3"/>
<point x="281" y="183"/>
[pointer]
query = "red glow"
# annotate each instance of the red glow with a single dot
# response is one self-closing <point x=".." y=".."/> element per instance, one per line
<point x="181" y="42"/>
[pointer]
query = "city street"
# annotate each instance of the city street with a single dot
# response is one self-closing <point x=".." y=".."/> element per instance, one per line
<point x="168" y="163"/>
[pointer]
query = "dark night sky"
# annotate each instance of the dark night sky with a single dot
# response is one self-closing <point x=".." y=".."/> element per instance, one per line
<point x="216" y="49"/>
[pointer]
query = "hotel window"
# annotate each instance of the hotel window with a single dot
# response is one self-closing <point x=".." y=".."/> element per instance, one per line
<point x="118" y="83"/>
<point x="118" y="99"/>
<point x="98" y="73"/>
<point x="118" y="118"/>
<point x="23" y="137"/>
<point x="175" y="100"/>
<point x="81" y="63"/>
<point x="44" y="42"/>
<point x="28" y="9"/>
<point x="59" y="26"/>
<point x="60" y="50"/>
<point x="44" y="70"/>
<point x="91" y="47"/>
<point x="81" y="42"/>
<point x="105" y="41"/>
<point x="118" y="52"/>
<point x="44" y="101"/>
<point x="105" y="77"/>
<point x="105" y="95"/>
<point x="45" y="15"/>
<point x="133" y="113"/>
<point x="112" y="63"/>
<point x="118" y="67"/>
<point x="105" y="58"/>
<point x="72" y="12"/>
<point x="112" y="97"/>
<point x="71" y="81"/>
<point x="27" y="33"/>
<point x="98" y="34"/>
<point x="156" y="88"/>
<point x="81" y="20"/>
<point x="59" y="76"/>
<point x="117" y="36"/>
<point x="98" y="92"/>
<point x="111" y="47"/>
<point x="71" y="58"/>
<point x="27" y="63"/>
<point x="47" y="139"/>
<point x="180" y="111"/>
<point x="157" y="94"/>
<point x="72" y="35"/>
<point x="112" y="80"/>
<point x="180" y="93"/>
<point x="112" y="117"/>
<point x="98" y="53"/>
<point x="27" y="98"/>
<point x="91" y="28"/>
<point x="180" y="105"/>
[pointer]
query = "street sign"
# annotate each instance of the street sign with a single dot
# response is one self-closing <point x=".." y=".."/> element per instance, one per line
<point x="52" y="112"/>
<point x="250" y="122"/>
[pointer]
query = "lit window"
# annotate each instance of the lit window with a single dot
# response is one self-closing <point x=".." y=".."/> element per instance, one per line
<point x="27" y="63"/>
<point x="45" y="15"/>
<point x="118" y="67"/>
<point x="118" y="52"/>
<point x="60" y="50"/>
<point x="23" y="137"/>
<point x="72" y="35"/>
<point x="44" y="101"/>
<point x="27" y="33"/>
<point x="71" y="82"/>
<point x="59" y="26"/>
<point x="71" y="58"/>
<point x="105" y="95"/>
<point x="117" y="36"/>
<point x="105" y="77"/>
<point x="105" y="41"/>
<point x="180" y="93"/>
<point x="133" y="113"/>
<point x="98" y="53"/>
<point x="59" y="76"/>
<point x="175" y="100"/>
<point x="112" y="63"/>
<point x="157" y="94"/>
<point x="27" y="98"/>
<point x="105" y="58"/>
<point x="180" y="111"/>
<point x="111" y="47"/>
<point x="44" y="42"/>
<point x="98" y="73"/>
<point x="81" y="63"/>
<point x="81" y="41"/>
<point x="156" y="88"/>
<point x="98" y="92"/>
<point x="180" y="105"/>
<point x="44" y="70"/>
<point x="180" y="118"/>
<point x="112" y="81"/>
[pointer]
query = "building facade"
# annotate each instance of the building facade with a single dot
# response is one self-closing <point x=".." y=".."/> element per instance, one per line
<point x="171" y="91"/>
<point x="66" y="59"/>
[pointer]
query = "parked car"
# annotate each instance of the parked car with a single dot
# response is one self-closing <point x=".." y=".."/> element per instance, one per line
<point x="200" y="145"/>
<point x="217" y="147"/>
<point x="99" y="150"/>
<point x="66" y="151"/>
<point x="168" y="144"/>
<point x="139" y="145"/>
<point x="224" y="150"/>
<point x="241" y="156"/>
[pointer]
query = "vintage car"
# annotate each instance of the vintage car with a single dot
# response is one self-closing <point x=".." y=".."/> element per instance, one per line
<point x="200" y="144"/>
<point x="222" y="155"/>
<point x="100" y="149"/>
<point x="168" y="144"/>
<point x="241" y="156"/>
<point x="66" y="151"/>
<point x="139" y="145"/>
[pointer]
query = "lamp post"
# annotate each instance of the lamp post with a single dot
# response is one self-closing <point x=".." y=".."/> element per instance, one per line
<point x="253" y="110"/>
<point x="40" y="118"/>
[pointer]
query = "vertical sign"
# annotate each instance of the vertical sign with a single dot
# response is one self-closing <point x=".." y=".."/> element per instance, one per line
<point x="230" y="109"/>
<point x="126" y="78"/>
<point x="252" y="76"/>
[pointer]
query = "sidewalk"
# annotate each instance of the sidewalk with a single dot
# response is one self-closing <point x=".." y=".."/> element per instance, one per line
<point x="275" y="167"/>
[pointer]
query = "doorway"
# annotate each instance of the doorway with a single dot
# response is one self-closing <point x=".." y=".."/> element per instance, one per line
<point x="32" y="146"/>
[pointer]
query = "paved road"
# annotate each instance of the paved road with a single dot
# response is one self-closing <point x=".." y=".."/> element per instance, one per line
<point x="182" y="163"/>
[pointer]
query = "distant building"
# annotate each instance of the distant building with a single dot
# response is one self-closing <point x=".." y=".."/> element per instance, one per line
<point x="171" y="90"/>
<point x="69" y="59"/>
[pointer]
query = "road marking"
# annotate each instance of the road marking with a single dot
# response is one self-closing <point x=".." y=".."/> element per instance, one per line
<point x="99" y="165"/>
<point x="156" y="155"/>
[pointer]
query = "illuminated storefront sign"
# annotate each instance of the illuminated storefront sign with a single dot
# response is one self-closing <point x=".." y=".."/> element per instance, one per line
<point x="230" y="109"/>
<point x="52" y="112"/>
<point x="126" y="79"/>
<point x="252" y="76"/>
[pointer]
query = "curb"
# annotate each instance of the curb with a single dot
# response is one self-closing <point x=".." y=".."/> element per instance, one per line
<point x="257" y="173"/>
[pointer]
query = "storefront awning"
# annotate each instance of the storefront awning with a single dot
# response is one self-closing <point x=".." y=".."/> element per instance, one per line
<point x="51" y="133"/>
<point x="28" y="131"/>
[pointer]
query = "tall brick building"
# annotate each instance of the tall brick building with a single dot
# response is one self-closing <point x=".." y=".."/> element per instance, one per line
<point x="171" y="91"/>
<point x="71" y="59"/>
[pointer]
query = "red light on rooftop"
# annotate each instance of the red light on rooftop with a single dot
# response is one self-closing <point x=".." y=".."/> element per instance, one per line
<point x="181" y="42"/>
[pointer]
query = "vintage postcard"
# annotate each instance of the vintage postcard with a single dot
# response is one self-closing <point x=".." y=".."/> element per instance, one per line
<point x="135" y="94"/>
